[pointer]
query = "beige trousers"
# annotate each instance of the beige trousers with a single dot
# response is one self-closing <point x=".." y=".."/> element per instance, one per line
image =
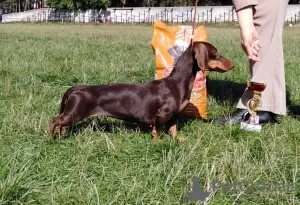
<point x="269" y="18"/>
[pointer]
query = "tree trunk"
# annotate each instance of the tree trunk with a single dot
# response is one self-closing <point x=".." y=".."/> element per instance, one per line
<point x="123" y="3"/>
<point x="27" y="5"/>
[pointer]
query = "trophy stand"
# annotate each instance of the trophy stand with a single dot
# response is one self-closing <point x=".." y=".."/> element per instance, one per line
<point x="252" y="124"/>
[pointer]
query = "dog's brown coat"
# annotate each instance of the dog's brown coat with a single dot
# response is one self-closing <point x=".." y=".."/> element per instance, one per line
<point x="153" y="103"/>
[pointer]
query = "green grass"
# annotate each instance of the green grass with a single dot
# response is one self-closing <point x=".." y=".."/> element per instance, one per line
<point x="102" y="161"/>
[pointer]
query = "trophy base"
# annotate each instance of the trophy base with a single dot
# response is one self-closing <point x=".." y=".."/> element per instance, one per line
<point x="250" y="127"/>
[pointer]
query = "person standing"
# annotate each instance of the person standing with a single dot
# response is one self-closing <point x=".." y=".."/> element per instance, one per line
<point x="261" y="26"/>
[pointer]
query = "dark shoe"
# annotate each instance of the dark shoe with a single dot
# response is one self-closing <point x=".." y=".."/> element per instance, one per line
<point x="242" y="115"/>
<point x="236" y="117"/>
<point x="266" y="117"/>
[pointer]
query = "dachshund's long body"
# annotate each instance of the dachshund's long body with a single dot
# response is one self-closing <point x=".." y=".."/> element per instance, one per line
<point x="152" y="103"/>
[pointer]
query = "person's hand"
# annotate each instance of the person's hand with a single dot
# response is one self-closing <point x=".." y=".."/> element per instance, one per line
<point x="250" y="42"/>
<point x="249" y="36"/>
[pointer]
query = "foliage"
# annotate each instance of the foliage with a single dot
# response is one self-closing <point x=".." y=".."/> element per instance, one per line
<point x="97" y="4"/>
<point x="79" y="4"/>
<point x="137" y="3"/>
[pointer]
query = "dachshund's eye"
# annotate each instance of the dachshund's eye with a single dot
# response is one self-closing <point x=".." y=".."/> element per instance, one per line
<point x="214" y="56"/>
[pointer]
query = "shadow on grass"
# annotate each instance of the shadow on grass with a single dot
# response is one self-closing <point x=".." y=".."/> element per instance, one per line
<point x="224" y="90"/>
<point x="293" y="110"/>
<point x="231" y="92"/>
<point x="105" y="125"/>
<point x="113" y="126"/>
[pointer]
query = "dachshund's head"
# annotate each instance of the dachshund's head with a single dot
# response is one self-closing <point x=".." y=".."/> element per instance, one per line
<point x="208" y="58"/>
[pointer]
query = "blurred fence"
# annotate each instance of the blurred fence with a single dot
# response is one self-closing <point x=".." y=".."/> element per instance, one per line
<point x="175" y="15"/>
<point x="293" y="19"/>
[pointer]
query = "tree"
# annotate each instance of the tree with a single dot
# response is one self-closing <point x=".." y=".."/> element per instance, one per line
<point x="98" y="4"/>
<point x="149" y="3"/>
<point x="78" y="4"/>
<point x="9" y="5"/>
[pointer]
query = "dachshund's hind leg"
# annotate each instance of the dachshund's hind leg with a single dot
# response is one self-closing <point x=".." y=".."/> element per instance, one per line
<point x="76" y="109"/>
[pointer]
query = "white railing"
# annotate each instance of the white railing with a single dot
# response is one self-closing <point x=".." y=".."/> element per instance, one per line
<point x="174" y="15"/>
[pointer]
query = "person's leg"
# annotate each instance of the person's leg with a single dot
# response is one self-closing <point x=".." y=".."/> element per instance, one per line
<point x="269" y="19"/>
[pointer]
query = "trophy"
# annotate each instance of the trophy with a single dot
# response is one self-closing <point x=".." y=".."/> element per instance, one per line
<point x="253" y="104"/>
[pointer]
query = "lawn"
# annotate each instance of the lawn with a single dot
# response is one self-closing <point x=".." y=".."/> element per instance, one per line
<point x="103" y="161"/>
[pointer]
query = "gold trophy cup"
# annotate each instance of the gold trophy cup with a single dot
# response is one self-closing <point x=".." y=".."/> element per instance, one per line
<point x="253" y="104"/>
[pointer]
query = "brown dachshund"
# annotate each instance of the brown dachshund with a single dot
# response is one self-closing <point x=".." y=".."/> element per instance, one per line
<point x="152" y="103"/>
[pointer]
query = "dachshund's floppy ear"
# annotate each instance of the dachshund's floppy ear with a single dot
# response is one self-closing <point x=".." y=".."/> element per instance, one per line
<point x="208" y="58"/>
<point x="201" y="55"/>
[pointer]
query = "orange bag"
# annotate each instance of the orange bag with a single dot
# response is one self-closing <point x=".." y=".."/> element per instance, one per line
<point x="168" y="43"/>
